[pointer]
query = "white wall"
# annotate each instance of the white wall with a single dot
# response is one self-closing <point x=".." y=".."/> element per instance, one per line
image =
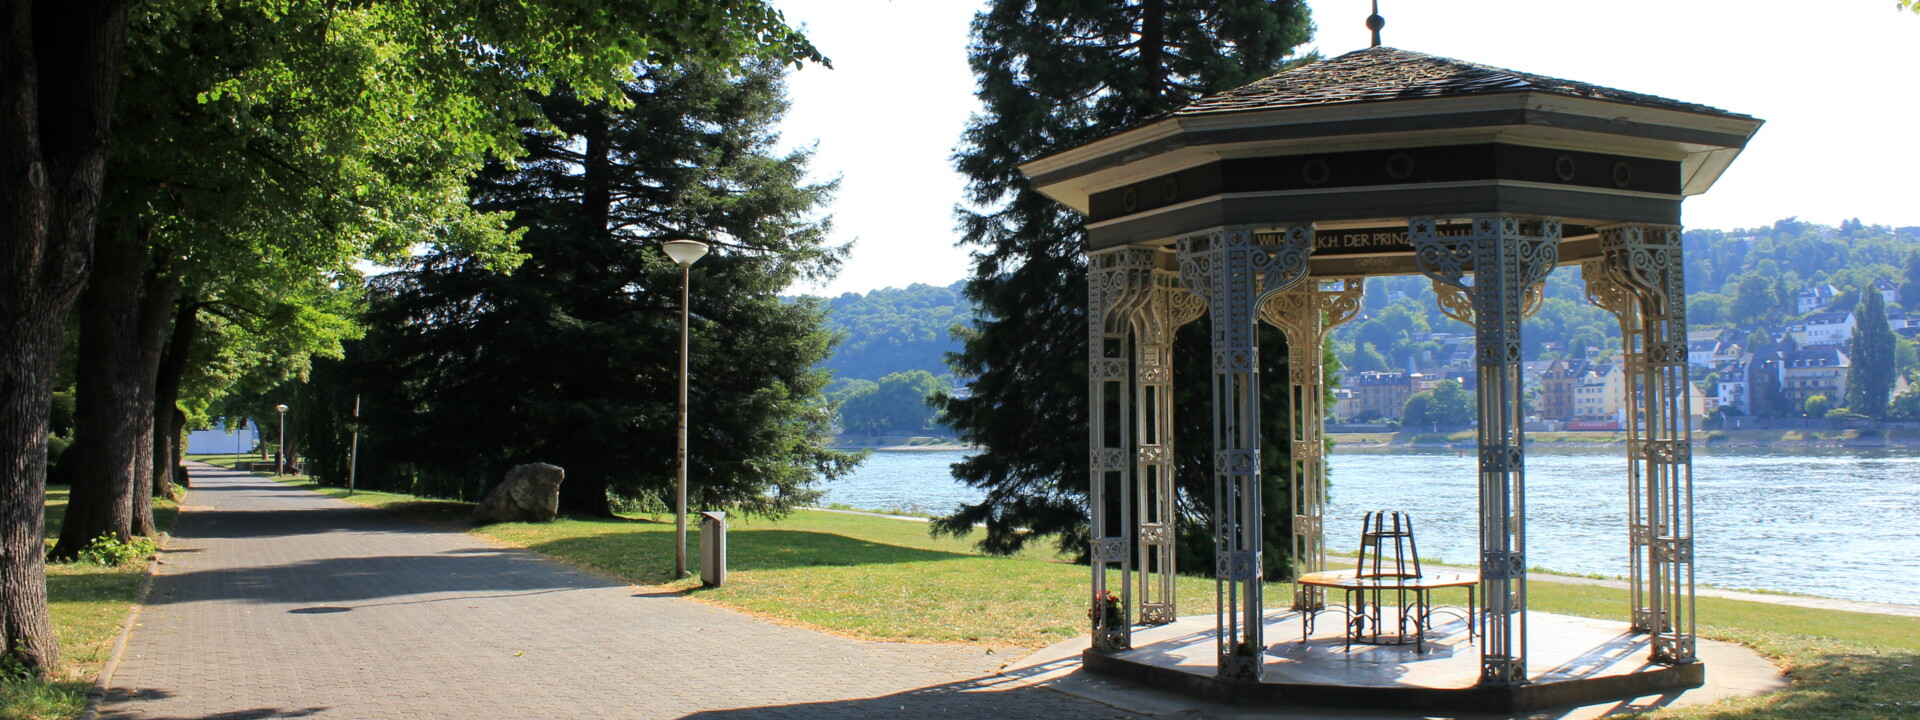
<point x="221" y="442"/>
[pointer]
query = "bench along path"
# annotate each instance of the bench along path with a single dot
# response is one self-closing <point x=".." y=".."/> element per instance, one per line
<point x="275" y="602"/>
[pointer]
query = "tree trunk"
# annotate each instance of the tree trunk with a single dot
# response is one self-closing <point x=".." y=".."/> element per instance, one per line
<point x="154" y="312"/>
<point x="596" y="187"/>
<point x="177" y="457"/>
<point x="580" y="496"/>
<point x="169" y="421"/>
<point x="107" y="409"/>
<point x="1153" y="50"/>
<point x="59" y="73"/>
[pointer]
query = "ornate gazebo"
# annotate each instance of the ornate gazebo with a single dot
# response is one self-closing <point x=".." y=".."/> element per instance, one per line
<point x="1272" y="202"/>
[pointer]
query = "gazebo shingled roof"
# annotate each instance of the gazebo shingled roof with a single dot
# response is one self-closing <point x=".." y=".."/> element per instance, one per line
<point x="1370" y="138"/>
<point x="1385" y="73"/>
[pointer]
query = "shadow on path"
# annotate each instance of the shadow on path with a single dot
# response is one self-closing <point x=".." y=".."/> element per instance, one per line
<point x="355" y="580"/>
<point x="990" y="697"/>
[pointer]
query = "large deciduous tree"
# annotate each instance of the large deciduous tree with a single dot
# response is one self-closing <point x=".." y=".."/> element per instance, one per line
<point x="1446" y="406"/>
<point x="60" y="68"/>
<point x="572" y="359"/>
<point x="1054" y="74"/>
<point x="59" y="74"/>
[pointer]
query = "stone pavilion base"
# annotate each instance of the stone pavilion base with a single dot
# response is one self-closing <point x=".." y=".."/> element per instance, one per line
<point x="1574" y="661"/>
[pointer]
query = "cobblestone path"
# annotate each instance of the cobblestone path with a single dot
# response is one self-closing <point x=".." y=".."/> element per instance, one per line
<point x="275" y="602"/>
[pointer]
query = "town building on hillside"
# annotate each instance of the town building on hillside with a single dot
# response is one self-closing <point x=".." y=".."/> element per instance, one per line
<point x="1828" y="328"/>
<point x="1814" y="298"/>
<point x="1704" y="345"/>
<point x="1345" y="405"/>
<point x="1729" y="351"/>
<point x="1556" y="388"/>
<point x="1600" y="394"/>
<point x="1816" y="370"/>
<point x="1903" y="323"/>
<point x="1378" y="394"/>
<point x="1731" y="392"/>
<point x="1888" y="291"/>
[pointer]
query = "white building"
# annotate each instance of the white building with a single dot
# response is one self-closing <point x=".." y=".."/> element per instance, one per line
<point x="1830" y="328"/>
<point x="1814" y="298"/>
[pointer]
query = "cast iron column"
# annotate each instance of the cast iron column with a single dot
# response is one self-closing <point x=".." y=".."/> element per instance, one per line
<point x="1505" y="255"/>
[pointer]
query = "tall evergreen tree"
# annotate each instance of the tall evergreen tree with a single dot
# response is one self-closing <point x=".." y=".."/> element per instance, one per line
<point x="1054" y="74"/>
<point x="1870" y="379"/>
<point x="573" y="357"/>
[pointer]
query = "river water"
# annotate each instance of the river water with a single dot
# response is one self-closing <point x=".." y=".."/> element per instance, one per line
<point x="1835" y="523"/>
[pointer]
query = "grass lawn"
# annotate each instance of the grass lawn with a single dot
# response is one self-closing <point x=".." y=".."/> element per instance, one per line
<point x="88" y="603"/>
<point x="887" y="579"/>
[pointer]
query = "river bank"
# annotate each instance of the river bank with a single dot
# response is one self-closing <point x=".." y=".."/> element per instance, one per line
<point x="1706" y="440"/>
<point x="900" y="443"/>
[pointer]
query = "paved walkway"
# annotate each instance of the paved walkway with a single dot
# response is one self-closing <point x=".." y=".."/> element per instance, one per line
<point x="275" y="602"/>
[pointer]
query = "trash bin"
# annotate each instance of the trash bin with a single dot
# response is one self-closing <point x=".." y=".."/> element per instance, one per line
<point x="713" y="548"/>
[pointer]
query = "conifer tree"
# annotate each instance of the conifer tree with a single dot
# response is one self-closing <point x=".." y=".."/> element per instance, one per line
<point x="1054" y="74"/>
<point x="572" y="358"/>
<point x="1870" y="379"/>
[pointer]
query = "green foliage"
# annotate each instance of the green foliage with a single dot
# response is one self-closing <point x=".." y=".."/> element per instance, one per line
<point x="573" y="358"/>
<point x="111" y="551"/>
<point x="1906" y="358"/>
<point x="1054" y="74"/>
<point x="897" y="405"/>
<point x="1910" y="282"/>
<point x="1744" y="278"/>
<point x="895" y="330"/>
<point x="1446" y="406"/>
<point x="265" y="147"/>
<point x="1870" y="378"/>
<point x="1816" y="406"/>
<point x="1906" y="405"/>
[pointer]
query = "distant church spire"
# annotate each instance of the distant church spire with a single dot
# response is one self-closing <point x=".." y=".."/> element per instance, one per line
<point x="1375" y="22"/>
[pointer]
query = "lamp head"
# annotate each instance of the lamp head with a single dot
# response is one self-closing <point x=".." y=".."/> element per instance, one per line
<point x="281" y="408"/>
<point x="684" y="252"/>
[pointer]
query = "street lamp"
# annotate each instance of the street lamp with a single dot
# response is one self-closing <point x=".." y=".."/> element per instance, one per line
<point x="684" y="252"/>
<point x="281" y="465"/>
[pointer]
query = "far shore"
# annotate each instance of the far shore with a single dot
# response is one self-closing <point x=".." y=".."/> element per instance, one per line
<point x="1704" y="440"/>
<point x="901" y="444"/>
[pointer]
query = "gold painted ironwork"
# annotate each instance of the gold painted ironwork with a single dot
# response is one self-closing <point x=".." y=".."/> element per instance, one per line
<point x="1305" y="314"/>
<point x="1640" y="278"/>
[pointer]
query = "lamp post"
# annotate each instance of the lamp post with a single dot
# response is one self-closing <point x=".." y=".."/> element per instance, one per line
<point x="684" y="252"/>
<point x="281" y="459"/>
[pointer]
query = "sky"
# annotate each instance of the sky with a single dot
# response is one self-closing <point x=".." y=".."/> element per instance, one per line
<point x="1837" y="82"/>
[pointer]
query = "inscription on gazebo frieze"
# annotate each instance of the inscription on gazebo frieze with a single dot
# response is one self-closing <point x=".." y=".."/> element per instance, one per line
<point x="1366" y="241"/>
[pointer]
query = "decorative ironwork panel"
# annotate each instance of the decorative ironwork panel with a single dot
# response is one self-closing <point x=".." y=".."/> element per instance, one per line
<point x="1121" y="287"/>
<point x="1153" y="533"/>
<point x="1305" y="313"/>
<point x="1673" y="549"/>
<point x="1108" y="550"/>
<point x="1237" y="271"/>
<point x="1495" y="267"/>
<point x="1640" y="278"/>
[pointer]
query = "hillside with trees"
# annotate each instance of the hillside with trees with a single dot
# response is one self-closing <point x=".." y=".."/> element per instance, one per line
<point x="893" y="330"/>
<point x="1747" y="279"/>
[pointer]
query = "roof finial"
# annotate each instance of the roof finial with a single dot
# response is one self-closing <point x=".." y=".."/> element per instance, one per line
<point x="1375" y="22"/>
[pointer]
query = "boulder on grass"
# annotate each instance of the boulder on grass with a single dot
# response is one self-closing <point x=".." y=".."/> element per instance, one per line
<point x="531" y="493"/>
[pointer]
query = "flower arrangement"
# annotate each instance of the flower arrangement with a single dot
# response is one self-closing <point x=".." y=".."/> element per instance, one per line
<point x="1105" y="609"/>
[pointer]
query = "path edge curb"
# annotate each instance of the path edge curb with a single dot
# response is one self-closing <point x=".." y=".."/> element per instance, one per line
<point x="101" y="684"/>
